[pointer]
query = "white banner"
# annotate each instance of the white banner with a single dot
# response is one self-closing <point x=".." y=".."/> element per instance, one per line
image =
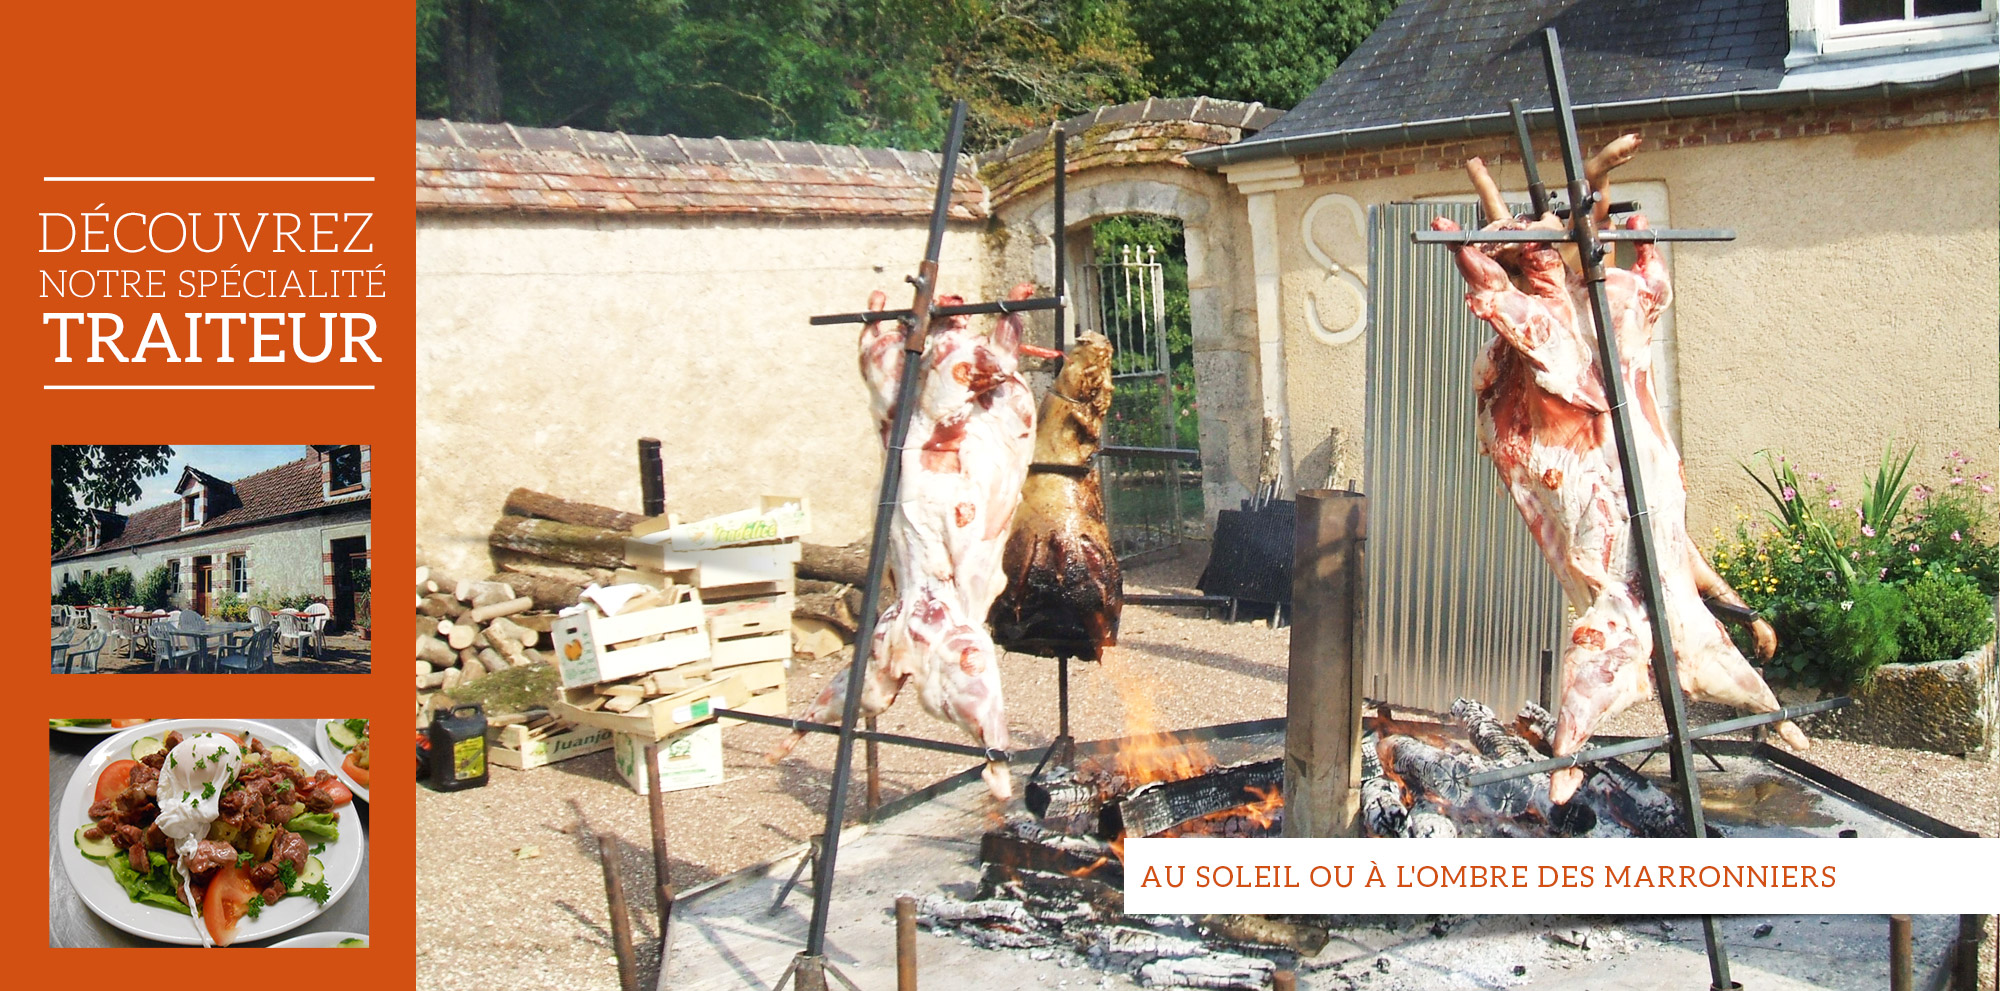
<point x="1589" y="876"/>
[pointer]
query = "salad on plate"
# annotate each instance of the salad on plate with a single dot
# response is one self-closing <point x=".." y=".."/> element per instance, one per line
<point x="216" y="825"/>
<point x="94" y="726"/>
<point x="343" y="743"/>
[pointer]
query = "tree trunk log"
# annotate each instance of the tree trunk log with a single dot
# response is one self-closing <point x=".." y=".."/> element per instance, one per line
<point x="540" y="505"/>
<point x="513" y="563"/>
<point x="434" y="650"/>
<point x="587" y="546"/>
<point x="440" y="606"/>
<point x="833" y="610"/>
<point x="550" y="594"/>
<point x="847" y="565"/>
<point x="510" y="607"/>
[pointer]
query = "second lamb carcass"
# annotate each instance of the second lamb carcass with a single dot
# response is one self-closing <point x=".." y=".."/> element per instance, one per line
<point x="1064" y="591"/>
<point x="1544" y="422"/>
<point x="971" y="436"/>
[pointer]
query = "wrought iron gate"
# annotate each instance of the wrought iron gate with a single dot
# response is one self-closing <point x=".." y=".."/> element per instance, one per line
<point x="1460" y="600"/>
<point x="1152" y="485"/>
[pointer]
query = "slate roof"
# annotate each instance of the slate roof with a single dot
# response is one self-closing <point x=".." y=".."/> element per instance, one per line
<point x="500" y="167"/>
<point x="1439" y="59"/>
<point x="273" y="493"/>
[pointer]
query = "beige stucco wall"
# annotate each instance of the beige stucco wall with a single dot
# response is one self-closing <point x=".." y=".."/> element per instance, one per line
<point x="546" y="347"/>
<point x="1222" y="309"/>
<point x="284" y="558"/>
<point x="1856" y="307"/>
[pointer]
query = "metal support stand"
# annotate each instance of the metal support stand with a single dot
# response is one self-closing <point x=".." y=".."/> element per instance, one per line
<point x="809" y="862"/>
<point x="1591" y="246"/>
<point x="808" y="970"/>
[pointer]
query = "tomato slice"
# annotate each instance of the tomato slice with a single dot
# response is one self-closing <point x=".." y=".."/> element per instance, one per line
<point x="222" y="907"/>
<point x="114" y="778"/>
<point x="355" y="771"/>
<point x="122" y="723"/>
<point x="340" y="793"/>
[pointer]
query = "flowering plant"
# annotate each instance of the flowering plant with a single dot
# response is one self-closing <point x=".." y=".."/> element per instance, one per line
<point x="1905" y="573"/>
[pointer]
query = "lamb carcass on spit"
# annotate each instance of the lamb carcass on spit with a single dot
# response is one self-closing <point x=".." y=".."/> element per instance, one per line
<point x="1544" y="422"/>
<point x="970" y="439"/>
<point x="1064" y="591"/>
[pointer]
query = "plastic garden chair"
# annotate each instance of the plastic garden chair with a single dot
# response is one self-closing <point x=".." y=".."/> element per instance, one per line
<point x="254" y="657"/>
<point x="291" y="630"/>
<point x="169" y="650"/>
<point x="85" y="651"/>
<point x="316" y="617"/>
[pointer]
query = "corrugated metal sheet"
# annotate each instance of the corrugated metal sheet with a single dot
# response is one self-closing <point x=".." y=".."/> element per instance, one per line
<point x="1460" y="602"/>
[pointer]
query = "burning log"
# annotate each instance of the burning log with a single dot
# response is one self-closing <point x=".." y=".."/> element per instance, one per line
<point x="1077" y="857"/>
<point x="1382" y="809"/>
<point x="1261" y="930"/>
<point x="934" y="909"/>
<point x="1157" y="807"/>
<point x="1492" y="739"/>
<point x="1427" y="823"/>
<point x="1536" y="726"/>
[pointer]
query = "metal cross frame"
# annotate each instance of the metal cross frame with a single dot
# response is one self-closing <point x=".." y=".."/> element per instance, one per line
<point x="809" y="969"/>
<point x="1591" y="245"/>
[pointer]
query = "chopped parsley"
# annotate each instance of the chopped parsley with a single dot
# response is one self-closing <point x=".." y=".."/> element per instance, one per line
<point x="285" y="785"/>
<point x="200" y="762"/>
<point x="253" y="907"/>
<point x="317" y="891"/>
<point x="207" y="790"/>
<point x="287" y="874"/>
<point x="243" y="859"/>
<point x="318" y="848"/>
<point x="171" y="762"/>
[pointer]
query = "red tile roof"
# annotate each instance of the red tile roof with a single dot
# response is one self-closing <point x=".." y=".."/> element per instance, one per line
<point x="273" y="493"/>
<point x="503" y="168"/>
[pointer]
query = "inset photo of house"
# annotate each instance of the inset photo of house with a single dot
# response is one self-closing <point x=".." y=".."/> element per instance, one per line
<point x="209" y="559"/>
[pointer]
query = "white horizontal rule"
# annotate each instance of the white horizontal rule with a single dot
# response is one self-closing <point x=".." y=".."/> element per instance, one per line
<point x="1588" y="876"/>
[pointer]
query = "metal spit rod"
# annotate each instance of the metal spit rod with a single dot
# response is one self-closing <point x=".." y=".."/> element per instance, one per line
<point x="1645" y="744"/>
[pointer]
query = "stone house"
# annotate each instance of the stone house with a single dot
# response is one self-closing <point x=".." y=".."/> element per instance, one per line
<point x="298" y="528"/>
<point x="1850" y="147"/>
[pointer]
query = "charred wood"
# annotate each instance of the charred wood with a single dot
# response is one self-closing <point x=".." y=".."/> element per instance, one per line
<point x="1160" y="806"/>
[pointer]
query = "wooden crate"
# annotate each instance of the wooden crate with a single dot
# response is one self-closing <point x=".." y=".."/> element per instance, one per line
<point x="510" y="746"/>
<point x="691" y="758"/>
<point x="718" y="566"/>
<point x="657" y="718"/>
<point x="745" y="617"/>
<point x="773" y="518"/>
<point x="591" y="648"/>
<point x="750" y="650"/>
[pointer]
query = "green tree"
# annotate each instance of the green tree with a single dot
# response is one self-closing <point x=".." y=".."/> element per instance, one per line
<point x="156" y="589"/>
<point x="118" y="587"/>
<point x="868" y="72"/>
<point x="1272" y="51"/>
<point x="96" y="475"/>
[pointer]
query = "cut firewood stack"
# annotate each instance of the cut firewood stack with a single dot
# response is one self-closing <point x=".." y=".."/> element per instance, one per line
<point x="717" y="630"/>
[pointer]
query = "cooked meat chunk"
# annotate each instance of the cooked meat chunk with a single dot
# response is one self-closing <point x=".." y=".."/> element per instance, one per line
<point x="136" y="853"/>
<point x="289" y="848"/>
<point x="209" y="855"/>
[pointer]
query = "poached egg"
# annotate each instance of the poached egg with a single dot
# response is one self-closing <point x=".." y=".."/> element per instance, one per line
<point x="189" y="793"/>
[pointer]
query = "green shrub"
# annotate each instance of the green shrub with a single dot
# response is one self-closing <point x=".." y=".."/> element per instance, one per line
<point x="118" y="587"/>
<point x="1862" y="633"/>
<point x="156" y="589"/>
<point x="93" y="589"/>
<point x="230" y="608"/>
<point x="70" y="594"/>
<point x="1947" y="615"/>
<point x="298" y="601"/>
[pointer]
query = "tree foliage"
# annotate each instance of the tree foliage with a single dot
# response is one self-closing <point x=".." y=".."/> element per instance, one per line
<point x="1268" y="51"/>
<point x="868" y="72"/>
<point x="102" y="476"/>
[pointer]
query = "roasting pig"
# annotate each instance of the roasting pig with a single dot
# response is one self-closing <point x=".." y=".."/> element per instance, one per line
<point x="971" y="436"/>
<point x="1545" y="423"/>
<point x="1064" y="591"/>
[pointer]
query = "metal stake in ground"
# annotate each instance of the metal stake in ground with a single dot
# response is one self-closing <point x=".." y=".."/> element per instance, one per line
<point x="810" y="968"/>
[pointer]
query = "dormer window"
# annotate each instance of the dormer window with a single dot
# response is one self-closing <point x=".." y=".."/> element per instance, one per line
<point x="344" y="469"/>
<point x="91" y="536"/>
<point x="1856" y="27"/>
<point x="190" y="511"/>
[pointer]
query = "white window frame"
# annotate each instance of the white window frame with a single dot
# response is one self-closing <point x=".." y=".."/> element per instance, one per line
<point x="239" y="583"/>
<point x="1836" y="37"/>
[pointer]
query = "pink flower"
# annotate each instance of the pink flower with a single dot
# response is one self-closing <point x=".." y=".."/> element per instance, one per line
<point x="1867" y="531"/>
<point x="1854" y="555"/>
<point x="1956" y="480"/>
<point x="1955" y="537"/>
<point x="1813" y="475"/>
<point x="1789" y="494"/>
<point x="1986" y="489"/>
<point x="1915" y="548"/>
<point x="1833" y="503"/>
<point x="1884" y="573"/>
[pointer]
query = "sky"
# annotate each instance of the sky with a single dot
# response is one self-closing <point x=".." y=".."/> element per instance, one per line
<point x="227" y="462"/>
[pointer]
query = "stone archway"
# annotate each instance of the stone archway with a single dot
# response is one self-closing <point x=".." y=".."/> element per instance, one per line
<point x="1127" y="160"/>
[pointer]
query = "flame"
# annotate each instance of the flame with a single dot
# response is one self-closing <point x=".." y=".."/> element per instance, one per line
<point x="1151" y="753"/>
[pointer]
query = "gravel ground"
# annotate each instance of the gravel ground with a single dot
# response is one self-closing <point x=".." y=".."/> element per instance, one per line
<point x="511" y="884"/>
<point x="343" y="655"/>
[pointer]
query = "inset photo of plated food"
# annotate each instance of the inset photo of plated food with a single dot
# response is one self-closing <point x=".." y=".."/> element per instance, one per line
<point x="208" y="832"/>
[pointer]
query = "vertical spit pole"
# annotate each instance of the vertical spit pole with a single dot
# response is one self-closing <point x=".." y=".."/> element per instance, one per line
<point x="885" y="511"/>
<point x="1538" y="192"/>
<point x="1666" y="674"/>
<point x="1062" y="236"/>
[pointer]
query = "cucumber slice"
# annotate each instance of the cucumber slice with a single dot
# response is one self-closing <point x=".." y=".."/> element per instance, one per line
<point x="314" y="872"/>
<point x="342" y="737"/>
<point x="99" y="850"/>
<point x="351" y="943"/>
<point x="146" y="747"/>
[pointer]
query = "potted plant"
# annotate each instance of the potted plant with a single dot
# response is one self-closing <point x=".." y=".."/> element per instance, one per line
<point x="361" y="596"/>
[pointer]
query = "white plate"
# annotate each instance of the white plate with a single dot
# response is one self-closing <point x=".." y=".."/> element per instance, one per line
<point x="334" y="755"/>
<point x="318" y="941"/>
<point x="100" y="891"/>
<point x="102" y="729"/>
